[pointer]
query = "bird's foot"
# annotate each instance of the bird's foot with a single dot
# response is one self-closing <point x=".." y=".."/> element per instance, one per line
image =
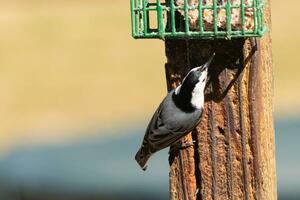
<point x="187" y="144"/>
<point x="180" y="146"/>
<point x="176" y="148"/>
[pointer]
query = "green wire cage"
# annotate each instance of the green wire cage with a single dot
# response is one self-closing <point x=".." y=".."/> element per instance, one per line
<point x="202" y="19"/>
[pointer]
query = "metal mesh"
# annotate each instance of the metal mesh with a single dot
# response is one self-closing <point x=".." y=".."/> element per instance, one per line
<point x="199" y="19"/>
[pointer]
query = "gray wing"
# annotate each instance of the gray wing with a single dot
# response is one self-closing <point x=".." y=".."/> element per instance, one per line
<point x="166" y="126"/>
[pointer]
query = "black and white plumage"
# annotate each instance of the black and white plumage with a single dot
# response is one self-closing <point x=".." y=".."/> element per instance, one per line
<point x="177" y="115"/>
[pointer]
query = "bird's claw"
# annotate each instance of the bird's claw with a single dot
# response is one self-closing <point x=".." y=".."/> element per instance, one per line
<point x="187" y="144"/>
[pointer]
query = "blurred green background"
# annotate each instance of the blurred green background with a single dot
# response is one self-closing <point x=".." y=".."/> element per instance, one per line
<point x="70" y="73"/>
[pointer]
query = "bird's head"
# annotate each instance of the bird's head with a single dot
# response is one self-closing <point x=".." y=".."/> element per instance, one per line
<point x="196" y="77"/>
<point x="193" y="85"/>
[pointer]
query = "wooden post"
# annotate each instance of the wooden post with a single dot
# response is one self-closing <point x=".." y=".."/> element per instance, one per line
<point x="234" y="153"/>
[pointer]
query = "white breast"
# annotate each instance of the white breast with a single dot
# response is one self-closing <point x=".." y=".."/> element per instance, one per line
<point x="197" y="99"/>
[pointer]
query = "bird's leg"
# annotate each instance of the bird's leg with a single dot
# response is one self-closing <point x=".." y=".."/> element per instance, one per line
<point x="175" y="149"/>
<point x="186" y="144"/>
<point x="181" y="145"/>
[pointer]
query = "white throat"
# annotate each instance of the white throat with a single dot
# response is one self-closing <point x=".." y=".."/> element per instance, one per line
<point x="197" y="99"/>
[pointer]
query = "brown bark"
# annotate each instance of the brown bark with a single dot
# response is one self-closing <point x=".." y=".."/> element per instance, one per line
<point x="233" y="157"/>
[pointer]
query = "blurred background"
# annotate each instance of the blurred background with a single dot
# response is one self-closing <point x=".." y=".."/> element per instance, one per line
<point x="75" y="88"/>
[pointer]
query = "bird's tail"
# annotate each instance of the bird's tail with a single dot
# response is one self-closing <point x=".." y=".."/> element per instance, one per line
<point x="142" y="157"/>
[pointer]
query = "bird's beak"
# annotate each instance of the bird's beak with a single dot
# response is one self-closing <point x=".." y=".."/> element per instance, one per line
<point x="207" y="64"/>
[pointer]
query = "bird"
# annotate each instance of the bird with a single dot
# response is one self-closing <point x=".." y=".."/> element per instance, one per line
<point x="177" y="115"/>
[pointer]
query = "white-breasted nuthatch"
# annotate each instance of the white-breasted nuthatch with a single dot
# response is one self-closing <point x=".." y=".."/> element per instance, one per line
<point x="177" y="115"/>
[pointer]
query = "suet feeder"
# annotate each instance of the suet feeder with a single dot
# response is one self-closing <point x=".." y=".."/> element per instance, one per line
<point x="200" y="19"/>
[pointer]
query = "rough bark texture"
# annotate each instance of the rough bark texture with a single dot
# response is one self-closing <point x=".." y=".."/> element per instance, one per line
<point x="234" y="155"/>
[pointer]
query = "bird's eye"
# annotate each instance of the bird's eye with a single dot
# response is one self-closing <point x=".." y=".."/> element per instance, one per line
<point x="203" y="80"/>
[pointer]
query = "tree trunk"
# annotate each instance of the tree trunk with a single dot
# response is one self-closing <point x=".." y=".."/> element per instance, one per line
<point x="234" y="152"/>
